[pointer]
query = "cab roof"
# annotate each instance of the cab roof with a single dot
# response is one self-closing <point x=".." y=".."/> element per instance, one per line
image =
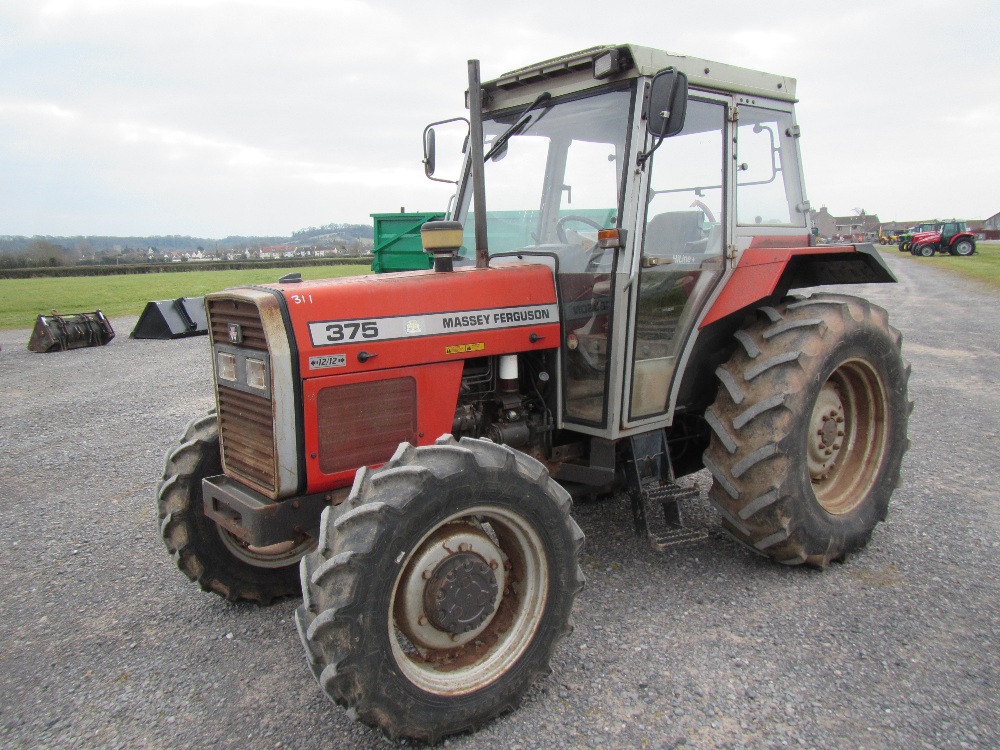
<point x="575" y="71"/>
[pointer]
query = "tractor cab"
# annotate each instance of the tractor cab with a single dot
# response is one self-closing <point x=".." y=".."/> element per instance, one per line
<point x="951" y="229"/>
<point x="638" y="176"/>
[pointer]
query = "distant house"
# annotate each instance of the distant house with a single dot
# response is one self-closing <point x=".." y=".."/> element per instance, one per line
<point x="990" y="228"/>
<point x="863" y="226"/>
<point x="901" y="226"/>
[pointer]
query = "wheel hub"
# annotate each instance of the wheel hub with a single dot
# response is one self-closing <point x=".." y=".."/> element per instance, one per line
<point x="450" y="591"/>
<point x="461" y="593"/>
<point x="847" y="439"/>
<point x="826" y="435"/>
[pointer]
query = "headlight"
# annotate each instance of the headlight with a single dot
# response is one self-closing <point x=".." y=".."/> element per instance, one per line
<point x="256" y="374"/>
<point x="227" y="366"/>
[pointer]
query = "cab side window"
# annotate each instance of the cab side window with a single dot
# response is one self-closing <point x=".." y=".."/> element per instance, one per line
<point x="768" y="186"/>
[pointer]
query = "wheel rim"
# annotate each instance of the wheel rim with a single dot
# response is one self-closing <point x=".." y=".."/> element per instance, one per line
<point x="448" y="636"/>
<point x="279" y="555"/>
<point x="847" y="438"/>
<point x="963" y="248"/>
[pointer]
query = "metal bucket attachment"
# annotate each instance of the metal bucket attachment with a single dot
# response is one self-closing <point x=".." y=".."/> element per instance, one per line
<point x="172" y="319"/>
<point x="57" y="333"/>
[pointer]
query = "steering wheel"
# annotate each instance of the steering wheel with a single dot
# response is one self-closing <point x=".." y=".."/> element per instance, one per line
<point x="705" y="210"/>
<point x="561" y="225"/>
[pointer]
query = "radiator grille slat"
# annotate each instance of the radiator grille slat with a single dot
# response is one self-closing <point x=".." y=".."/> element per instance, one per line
<point x="362" y="424"/>
<point x="247" y="437"/>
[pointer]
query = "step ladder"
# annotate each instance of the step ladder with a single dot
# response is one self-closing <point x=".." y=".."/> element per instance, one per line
<point x="652" y="485"/>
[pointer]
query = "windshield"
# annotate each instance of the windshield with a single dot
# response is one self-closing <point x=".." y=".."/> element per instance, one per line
<point x="557" y="179"/>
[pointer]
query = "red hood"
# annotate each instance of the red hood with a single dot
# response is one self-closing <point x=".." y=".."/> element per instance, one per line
<point x="422" y="316"/>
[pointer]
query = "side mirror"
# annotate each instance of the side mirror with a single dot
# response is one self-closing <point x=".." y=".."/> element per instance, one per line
<point x="429" y="151"/>
<point x="667" y="103"/>
<point x="452" y="132"/>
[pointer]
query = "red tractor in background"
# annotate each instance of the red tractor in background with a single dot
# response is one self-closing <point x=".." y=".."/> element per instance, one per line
<point x="949" y="237"/>
<point x="402" y="449"/>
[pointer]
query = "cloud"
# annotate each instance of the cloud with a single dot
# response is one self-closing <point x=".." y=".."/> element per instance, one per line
<point x="36" y="110"/>
<point x="217" y="117"/>
<point x="983" y="116"/>
<point x="177" y="144"/>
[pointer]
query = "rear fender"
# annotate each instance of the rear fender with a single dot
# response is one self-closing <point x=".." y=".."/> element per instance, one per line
<point x="769" y="273"/>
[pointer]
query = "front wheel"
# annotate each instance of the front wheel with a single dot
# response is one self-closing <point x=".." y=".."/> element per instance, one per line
<point x="440" y="588"/>
<point x="809" y="429"/>
<point x="925" y="251"/>
<point x="205" y="552"/>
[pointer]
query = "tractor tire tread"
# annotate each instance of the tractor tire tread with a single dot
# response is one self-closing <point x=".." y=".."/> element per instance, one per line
<point x="181" y="521"/>
<point x="336" y="575"/>
<point x="752" y="424"/>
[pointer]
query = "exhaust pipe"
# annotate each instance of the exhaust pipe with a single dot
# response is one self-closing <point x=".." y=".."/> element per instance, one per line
<point x="478" y="173"/>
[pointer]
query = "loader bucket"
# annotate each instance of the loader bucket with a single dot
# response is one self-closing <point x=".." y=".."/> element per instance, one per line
<point x="57" y="333"/>
<point x="172" y="319"/>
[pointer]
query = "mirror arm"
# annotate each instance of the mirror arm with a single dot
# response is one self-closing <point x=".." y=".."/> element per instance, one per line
<point x="644" y="155"/>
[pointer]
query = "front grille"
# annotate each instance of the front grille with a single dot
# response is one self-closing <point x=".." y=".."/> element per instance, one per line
<point x="247" y="429"/>
<point x="362" y="424"/>
<point x="225" y="311"/>
<point x="246" y="420"/>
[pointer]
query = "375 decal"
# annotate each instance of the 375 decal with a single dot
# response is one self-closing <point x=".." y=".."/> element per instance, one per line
<point x="352" y="330"/>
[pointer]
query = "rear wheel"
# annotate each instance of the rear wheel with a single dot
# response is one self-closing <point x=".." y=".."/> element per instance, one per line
<point x="963" y="248"/>
<point x="206" y="553"/>
<point x="809" y="429"/>
<point x="441" y="588"/>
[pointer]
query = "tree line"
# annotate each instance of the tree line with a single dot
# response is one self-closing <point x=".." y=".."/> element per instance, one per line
<point x="54" y="251"/>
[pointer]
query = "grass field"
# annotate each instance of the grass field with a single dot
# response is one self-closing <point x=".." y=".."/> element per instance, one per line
<point x="984" y="266"/>
<point x="22" y="300"/>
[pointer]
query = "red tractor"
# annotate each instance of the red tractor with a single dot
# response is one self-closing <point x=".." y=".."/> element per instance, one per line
<point x="402" y="449"/>
<point x="949" y="237"/>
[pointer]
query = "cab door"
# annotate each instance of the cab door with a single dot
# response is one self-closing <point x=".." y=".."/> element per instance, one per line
<point x="681" y="259"/>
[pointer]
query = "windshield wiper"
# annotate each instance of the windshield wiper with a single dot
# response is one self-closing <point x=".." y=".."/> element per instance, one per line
<point x="516" y="128"/>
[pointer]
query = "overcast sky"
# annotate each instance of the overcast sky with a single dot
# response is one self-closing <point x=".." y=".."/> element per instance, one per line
<point x="260" y="117"/>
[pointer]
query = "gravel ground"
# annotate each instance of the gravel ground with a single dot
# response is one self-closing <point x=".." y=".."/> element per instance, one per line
<point x="104" y="644"/>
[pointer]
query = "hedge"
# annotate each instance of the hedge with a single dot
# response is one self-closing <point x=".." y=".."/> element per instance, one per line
<point x="224" y="265"/>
